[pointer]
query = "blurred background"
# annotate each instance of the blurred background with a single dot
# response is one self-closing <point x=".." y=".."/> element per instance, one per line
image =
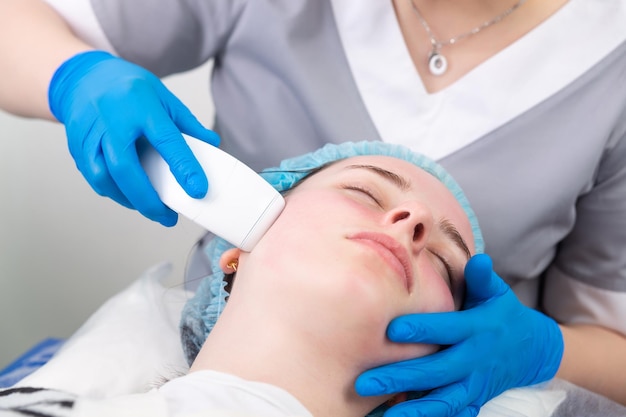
<point x="64" y="250"/>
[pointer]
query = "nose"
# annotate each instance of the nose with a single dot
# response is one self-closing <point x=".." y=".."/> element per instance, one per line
<point x="412" y="219"/>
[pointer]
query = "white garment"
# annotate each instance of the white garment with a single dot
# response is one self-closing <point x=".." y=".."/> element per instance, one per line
<point x="203" y="391"/>
<point x="198" y="394"/>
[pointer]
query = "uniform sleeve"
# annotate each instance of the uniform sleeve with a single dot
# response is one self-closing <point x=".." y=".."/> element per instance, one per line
<point x="587" y="281"/>
<point x="164" y="36"/>
<point x="168" y="36"/>
<point x="82" y="20"/>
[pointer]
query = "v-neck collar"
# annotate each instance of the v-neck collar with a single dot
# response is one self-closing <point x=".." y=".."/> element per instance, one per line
<point x="493" y="93"/>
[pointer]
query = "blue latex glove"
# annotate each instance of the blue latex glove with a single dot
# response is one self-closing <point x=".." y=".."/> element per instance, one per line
<point x="106" y="104"/>
<point x="496" y="343"/>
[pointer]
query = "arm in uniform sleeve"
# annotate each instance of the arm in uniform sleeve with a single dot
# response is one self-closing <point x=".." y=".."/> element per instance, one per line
<point x="81" y="18"/>
<point x="164" y="36"/>
<point x="34" y="41"/>
<point x="585" y="288"/>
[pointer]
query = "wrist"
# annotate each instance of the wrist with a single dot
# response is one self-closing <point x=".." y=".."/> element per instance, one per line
<point x="68" y="74"/>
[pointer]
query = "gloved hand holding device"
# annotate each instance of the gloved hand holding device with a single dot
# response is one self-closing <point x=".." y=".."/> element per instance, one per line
<point x="496" y="343"/>
<point x="106" y="105"/>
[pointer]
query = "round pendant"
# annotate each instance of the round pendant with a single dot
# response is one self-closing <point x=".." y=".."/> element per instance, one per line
<point x="437" y="64"/>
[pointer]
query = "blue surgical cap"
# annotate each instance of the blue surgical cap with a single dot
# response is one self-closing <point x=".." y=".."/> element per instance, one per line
<point x="203" y="309"/>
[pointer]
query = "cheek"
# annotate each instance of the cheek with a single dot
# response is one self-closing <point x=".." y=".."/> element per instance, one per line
<point x="431" y="293"/>
<point x="363" y="306"/>
<point x="306" y="231"/>
<point x="293" y="226"/>
<point x="304" y="212"/>
<point x="301" y="246"/>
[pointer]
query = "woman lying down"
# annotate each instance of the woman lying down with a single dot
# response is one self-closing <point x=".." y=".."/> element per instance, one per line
<point x="370" y="231"/>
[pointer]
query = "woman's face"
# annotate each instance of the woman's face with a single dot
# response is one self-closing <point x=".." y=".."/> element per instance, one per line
<point x="363" y="241"/>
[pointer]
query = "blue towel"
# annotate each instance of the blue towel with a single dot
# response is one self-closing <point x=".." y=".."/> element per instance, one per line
<point x="29" y="362"/>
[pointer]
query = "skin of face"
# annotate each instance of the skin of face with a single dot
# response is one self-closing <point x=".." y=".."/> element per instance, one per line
<point x="354" y="248"/>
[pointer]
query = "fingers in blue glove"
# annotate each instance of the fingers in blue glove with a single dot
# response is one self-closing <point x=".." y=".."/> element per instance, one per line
<point x="497" y="343"/>
<point x="440" y="369"/>
<point x="125" y="168"/>
<point x="449" y="328"/>
<point x="163" y="131"/>
<point x="481" y="282"/>
<point x="107" y="104"/>
<point x="128" y="174"/>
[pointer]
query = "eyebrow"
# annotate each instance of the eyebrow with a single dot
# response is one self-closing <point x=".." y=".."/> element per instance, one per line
<point x="399" y="181"/>
<point x="404" y="184"/>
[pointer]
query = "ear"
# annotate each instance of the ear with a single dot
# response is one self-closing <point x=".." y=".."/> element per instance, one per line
<point x="227" y="258"/>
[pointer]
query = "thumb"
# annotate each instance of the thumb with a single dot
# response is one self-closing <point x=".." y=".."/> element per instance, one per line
<point x="481" y="281"/>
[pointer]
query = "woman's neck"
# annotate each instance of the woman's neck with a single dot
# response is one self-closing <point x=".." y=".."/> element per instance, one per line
<point x="449" y="19"/>
<point x="320" y="374"/>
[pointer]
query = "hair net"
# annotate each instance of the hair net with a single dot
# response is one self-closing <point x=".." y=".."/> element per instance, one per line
<point x="202" y="310"/>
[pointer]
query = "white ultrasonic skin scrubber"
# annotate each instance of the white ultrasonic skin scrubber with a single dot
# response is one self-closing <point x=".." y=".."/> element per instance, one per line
<point x="240" y="206"/>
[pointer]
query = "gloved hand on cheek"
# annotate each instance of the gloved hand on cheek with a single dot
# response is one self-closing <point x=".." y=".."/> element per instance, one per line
<point x="494" y="344"/>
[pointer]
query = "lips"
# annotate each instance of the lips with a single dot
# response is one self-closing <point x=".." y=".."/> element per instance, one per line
<point x="392" y="252"/>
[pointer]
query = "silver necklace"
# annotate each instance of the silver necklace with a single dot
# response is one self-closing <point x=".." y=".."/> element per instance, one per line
<point x="437" y="63"/>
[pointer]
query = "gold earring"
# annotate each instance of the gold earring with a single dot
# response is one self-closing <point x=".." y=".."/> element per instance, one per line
<point x="233" y="264"/>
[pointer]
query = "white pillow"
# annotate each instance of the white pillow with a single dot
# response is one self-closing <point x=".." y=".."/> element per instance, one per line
<point x="127" y="346"/>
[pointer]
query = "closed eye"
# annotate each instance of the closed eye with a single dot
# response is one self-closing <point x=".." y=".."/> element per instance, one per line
<point x="364" y="191"/>
<point x="446" y="265"/>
